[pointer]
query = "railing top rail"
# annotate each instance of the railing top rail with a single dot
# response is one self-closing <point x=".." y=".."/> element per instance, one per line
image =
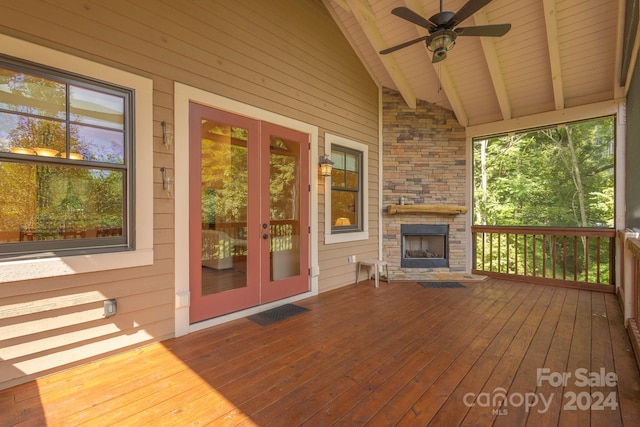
<point x="558" y="231"/>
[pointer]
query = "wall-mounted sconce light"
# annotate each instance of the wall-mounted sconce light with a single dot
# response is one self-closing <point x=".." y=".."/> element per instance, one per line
<point x="167" y="183"/>
<point x="167" y="135"/>
<point x="326" y="165"/>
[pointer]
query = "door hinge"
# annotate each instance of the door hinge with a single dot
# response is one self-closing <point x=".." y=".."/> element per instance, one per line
<point x="309" y="187"/>
<point x="309" y="229"/>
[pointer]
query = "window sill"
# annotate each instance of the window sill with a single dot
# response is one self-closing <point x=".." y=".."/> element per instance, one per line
<point x="345" y="237"/>
<point x="13" y="271"/>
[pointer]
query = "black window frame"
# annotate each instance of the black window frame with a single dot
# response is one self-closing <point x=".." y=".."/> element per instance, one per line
<point x="83" y="246"/>
<point x="359" y="225"/>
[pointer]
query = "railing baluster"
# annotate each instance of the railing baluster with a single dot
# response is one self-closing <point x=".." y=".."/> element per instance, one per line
<point x="564" y="258"/>
<point x="515" y="249"/>
<point x="612" y="243"/>
<point x="586" y="259"/>
<point x="534" y="242"/>
<point x="598" y="259"/>
<point x="525" y="254"/>
<point x="544" y="255"/>
<point x="575" y="258"/>
<point x="499" y="265"/>
<point x="554" y="252"/>
<point x="490" y="251"/>
<point x="508" y="258"/>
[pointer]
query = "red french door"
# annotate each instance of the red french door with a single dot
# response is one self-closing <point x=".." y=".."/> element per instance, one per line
<point x="248" y="212"/>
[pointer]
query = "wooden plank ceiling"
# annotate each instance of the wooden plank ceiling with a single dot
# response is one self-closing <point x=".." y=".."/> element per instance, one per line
<point x="558" y="54"/>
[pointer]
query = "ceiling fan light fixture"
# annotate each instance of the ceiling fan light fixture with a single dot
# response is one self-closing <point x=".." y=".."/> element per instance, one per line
<point x="441" y="41"/>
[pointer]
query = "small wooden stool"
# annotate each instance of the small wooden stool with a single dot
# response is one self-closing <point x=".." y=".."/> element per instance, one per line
<point x="376" y="264"/>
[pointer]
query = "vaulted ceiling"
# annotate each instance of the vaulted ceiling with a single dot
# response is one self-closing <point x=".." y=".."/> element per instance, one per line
<point x="558" y="54"/>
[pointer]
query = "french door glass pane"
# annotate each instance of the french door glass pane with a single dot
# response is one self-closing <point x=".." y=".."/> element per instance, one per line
<point x="224" y="196"/>
<point x="284" y="208"/>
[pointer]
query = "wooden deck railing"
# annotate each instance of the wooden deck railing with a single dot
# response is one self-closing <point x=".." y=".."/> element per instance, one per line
<point x="575" y="257"/>
<point x="634" y="322"/>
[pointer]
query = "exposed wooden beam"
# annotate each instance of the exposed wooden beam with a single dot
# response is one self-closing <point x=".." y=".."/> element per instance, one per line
<point x="491" y="56"/>
<point x="343" y="4"/>
<point x="618" y="84"/>
<point x="633" y="61"/>
<point x="548" y="118"/>
<point x="364" y="15"/>
<point x="443" y="73"/>
<point x="551" y="25"/>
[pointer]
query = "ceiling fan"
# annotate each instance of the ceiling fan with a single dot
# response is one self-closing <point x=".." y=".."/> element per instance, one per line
<point x="441" y="26"/>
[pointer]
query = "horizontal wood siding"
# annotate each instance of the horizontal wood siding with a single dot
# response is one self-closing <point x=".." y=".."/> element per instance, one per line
<point x="285" y="56"/>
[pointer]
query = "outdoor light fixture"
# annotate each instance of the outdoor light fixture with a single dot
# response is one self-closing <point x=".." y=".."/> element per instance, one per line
<point x="441" y="42"/>
<point x="167" y="183"/>
<point x="326" y="165"/>
<point x="167" y="135"/>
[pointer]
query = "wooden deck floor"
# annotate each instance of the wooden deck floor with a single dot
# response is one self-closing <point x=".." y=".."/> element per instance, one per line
<point x="397" y="355"/>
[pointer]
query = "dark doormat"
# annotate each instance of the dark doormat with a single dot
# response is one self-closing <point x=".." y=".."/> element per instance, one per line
<point x="440" y="285"/>
<point x="276" y="314"/>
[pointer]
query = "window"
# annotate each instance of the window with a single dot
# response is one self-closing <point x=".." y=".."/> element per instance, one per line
<point x="76" y="164"/>
<point x="65" y="154"/>
<point x="345" y="208"/>
<point x="346" y="194"/>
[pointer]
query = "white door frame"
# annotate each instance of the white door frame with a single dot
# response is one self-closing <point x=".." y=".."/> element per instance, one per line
<point x="184" y="94"/>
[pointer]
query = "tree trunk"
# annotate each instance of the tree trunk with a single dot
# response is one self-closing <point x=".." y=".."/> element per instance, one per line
<point x="577" y="178"/>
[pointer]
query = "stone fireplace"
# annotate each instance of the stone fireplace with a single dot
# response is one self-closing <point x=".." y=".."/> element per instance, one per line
<point x="425" y="163"/>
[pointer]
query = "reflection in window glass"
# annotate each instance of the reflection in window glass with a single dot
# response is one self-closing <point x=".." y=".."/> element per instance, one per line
<point x="91" y="107"/>
<point x="44" y="202"/>
<point x="34" y="136"/>
<point x="26" y="93"/>
<point x="99" y="145"/>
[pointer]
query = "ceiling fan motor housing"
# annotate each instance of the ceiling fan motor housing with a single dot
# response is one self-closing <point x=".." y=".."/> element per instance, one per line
<point x="441" y="19"/>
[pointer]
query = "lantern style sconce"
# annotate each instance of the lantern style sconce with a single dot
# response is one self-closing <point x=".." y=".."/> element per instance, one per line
<point x="326" y="165"/>
<point x="167" y="183"/>
<point x="167" y="135"/>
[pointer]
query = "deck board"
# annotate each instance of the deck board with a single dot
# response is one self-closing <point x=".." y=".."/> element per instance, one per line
<point x="396" y="355"/>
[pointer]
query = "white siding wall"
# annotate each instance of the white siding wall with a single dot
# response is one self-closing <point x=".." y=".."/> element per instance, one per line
<point x="285" y="56"/>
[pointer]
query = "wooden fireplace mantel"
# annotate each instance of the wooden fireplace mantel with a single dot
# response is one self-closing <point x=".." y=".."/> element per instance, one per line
<point x="426" y="209"/>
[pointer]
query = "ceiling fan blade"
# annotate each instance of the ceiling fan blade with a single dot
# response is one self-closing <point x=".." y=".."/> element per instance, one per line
<point x="438" y="57"/>
<point x="497" y="30"/>
<point x="401" y="45"/>
<point x="411" y="16"/>
<point x="467" y="10"/>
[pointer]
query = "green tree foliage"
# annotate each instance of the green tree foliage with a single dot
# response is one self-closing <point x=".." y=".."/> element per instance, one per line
<point x="561" y="176"/>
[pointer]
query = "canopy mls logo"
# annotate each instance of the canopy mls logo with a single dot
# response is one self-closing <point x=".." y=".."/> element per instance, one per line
<point x="588" y="399"/>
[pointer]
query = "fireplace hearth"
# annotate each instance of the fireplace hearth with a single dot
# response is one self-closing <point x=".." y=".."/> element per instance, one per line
<point x="424" y="246"/>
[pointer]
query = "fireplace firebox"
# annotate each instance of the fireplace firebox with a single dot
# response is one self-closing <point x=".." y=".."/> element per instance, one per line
<point x="424" y="245"/>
